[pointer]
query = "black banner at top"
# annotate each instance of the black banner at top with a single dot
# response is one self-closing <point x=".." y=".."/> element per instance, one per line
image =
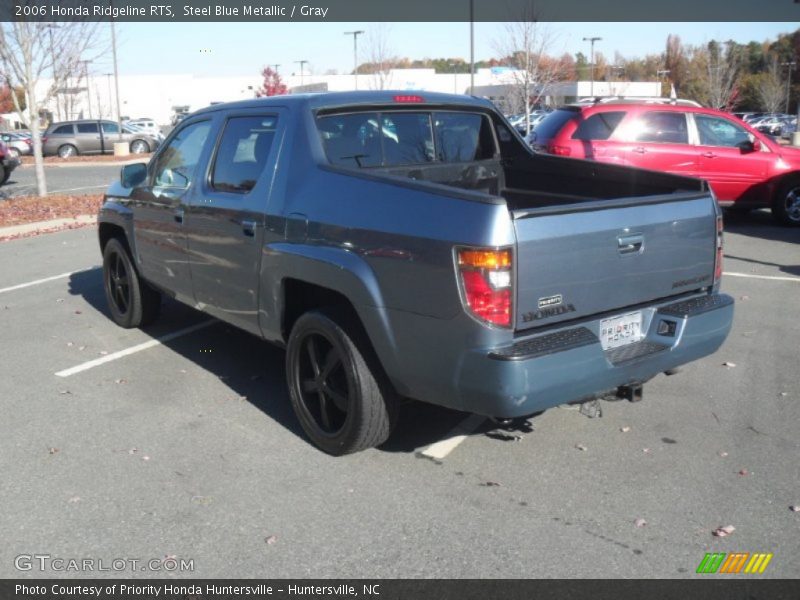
<point x="402" y="10"/>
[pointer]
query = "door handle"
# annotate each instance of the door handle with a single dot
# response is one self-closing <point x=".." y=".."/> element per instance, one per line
<point x="178" y="216"/>
<point x="629" y="244"/>
<point x="249" y="228"/>
<point x="639" y="150"/>
<point x="708" y="155"/>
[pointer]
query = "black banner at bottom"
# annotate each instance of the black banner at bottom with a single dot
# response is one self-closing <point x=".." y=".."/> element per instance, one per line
<point x="400" y="589"/>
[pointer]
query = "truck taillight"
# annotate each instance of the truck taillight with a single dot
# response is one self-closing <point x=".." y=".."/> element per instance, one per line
<point x="718" y="260"/>
<point x="559" y="150"/>
<point x="486" y="283"/>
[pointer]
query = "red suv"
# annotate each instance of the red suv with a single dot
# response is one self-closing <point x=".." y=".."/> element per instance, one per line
<point x="745" y="168"/>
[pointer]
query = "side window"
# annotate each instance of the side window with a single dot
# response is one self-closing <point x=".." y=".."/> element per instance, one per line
<point x="242" y="153"/>
<point x="63" y="130"/>
<point x="662" y="127"/>
<point x="462" y="137"/>
<point x="599" y="126"/>
<point x="109" y="127"/>
<point x="88" y="128"/>
<point x="176" y="164"/>
<point x="351" y="140"/>
<point x="714" y="131"/>
<point x="407" y="138"/>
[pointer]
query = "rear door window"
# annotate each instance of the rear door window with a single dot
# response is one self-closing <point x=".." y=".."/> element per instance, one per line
<point x="109" y="127"/>
<point x="88" y="128"/>
<point x="242" y="153"/>
<point x="661" y="127"/>
<point x="63" y="130"/>
<point x="599" y="126"/>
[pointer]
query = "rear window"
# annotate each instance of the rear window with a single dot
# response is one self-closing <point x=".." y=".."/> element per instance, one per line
<point x="405" y="138"/>
<point x="599" y="126"/>
<point x="549" y="127"/>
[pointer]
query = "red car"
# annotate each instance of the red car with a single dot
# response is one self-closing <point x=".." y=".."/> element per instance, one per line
<point x="746" y="169"/>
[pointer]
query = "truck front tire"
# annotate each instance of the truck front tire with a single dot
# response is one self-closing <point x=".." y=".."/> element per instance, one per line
<point x="333" y="391"/>
<point x="131" y="302"/>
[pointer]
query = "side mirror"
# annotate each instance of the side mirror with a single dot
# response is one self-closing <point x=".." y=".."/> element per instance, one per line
<point x="749" y="146"/>
<point x="133" y="175"/>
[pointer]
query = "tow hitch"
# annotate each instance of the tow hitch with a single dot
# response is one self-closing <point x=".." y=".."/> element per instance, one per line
<point x="631" y="393"/>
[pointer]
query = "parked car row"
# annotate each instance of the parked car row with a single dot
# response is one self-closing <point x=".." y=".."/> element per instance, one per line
<point x="774" y="124"/>
<point x="746" y="168"/>
<point x="19" y="144"/>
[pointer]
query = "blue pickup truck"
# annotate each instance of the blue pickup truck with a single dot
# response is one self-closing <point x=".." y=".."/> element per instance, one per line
<point x="410" y="245"/>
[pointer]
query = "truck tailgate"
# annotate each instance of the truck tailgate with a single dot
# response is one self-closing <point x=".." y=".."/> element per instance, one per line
<point x="585" y="259"/>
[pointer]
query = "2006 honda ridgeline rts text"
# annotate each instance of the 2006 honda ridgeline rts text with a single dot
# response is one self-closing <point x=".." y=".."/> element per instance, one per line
<point x="404" y="245"/>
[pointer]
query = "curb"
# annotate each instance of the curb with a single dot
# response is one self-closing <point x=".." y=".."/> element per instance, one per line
<point x="29" y="229"/>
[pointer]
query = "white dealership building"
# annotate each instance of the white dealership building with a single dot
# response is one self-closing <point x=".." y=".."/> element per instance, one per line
<point x="158" y="96"/>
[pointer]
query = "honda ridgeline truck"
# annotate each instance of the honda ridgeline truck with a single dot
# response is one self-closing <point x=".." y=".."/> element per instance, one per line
<point x="406" y="245"/>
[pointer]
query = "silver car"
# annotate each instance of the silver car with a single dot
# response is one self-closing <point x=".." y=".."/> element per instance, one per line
<point x="70" y="138"/>
<point x="18" y="144"/>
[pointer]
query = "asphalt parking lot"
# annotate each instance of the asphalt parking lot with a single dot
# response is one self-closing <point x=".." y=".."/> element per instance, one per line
<point x="61" y="179"/>
<point x="188" y="448"/>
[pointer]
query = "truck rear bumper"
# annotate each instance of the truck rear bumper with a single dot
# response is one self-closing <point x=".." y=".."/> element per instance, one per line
<point x="569" y="364"/>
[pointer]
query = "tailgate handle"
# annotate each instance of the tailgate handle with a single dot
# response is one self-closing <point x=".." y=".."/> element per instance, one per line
<point x="630" y="244"/>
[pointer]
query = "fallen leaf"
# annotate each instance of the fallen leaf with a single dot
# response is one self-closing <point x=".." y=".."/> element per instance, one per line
<point x="120" y="381"/>
<point x="723" y="454"/>
<point x="183" y="371"/>
<point x="646" y="450"/>
<point x="490" y="484"/>
<point x="204" y="500"/>
<point x="581" y="447"/>
<point x="74" y="500"/>
<point x="625" y="429"/>
<point x="145" y="458"/>
<point x="744" y="297"/>
<point x="70" y="344"/>
<point x="728" y="364"/>
<point x="133" y="451"/>
<point x="64" y="392"/>
<point x="640" y="522"/>
<point x="103" y="352"/>
<point x="52" y="450"/>
<point x="77" y="312"/>
<point x="81" y="347"/>
<point x="783" y="394"/>
<point x="59" y="300"/>
<point x="744" y="472"/>
<point x="271" y="539"/>
<point x="794" y="508"/>
<point x="724" y="531"/>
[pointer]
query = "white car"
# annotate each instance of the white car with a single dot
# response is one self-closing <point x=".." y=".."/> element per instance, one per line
<point x="147" y="125"/>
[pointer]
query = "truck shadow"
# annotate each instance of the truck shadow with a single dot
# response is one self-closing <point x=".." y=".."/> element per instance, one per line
<point x="254" y="370"/>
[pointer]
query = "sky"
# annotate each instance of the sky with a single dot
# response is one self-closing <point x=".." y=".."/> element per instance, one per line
<point x="214" y="49"/>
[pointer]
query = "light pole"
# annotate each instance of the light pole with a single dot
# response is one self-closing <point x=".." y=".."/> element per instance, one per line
<point x="276" y="65"/>
<point x="108" y="81"/>
<point x="116" y="77"/>
<point x="791" y="66"/>
<point x="591" y="41"/>
<point x="301" y="63"/>
<point x="355" y="35"/>
<point x="471" y="47"/>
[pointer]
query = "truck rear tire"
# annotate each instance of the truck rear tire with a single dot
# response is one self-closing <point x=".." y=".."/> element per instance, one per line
<point x="131" y="301"/>
<point x="334" y="393"/>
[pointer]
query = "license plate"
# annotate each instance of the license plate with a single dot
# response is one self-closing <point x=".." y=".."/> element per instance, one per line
<point x="621" y="330"/>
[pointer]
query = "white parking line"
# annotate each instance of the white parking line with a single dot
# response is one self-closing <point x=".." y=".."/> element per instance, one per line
<point x="45" y="280"/>
<point x="457" y="435"/>
<point x="770" y="277"/>
<point x="91" y="187"/>
<point x="133" y="349"/>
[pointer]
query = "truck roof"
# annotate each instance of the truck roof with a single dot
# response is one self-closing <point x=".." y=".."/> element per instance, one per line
<point x="365" y="98"/>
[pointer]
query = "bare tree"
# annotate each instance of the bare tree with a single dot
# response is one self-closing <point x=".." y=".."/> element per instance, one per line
<point x="379" y="56"/>
<point x="28" y="53"/>
<point x="525" y="48"/>
<point x="723" y="62"/>
<point x="772" y="89"/>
